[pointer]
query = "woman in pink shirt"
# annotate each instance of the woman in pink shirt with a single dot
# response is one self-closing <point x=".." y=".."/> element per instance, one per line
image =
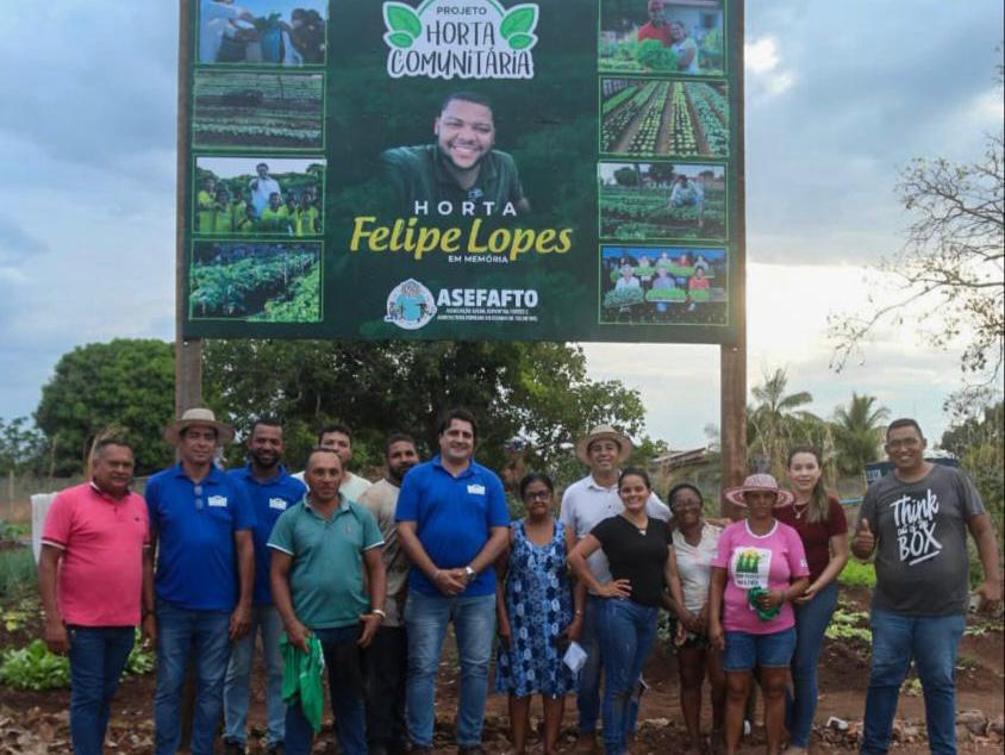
<point x="759" y="569"/>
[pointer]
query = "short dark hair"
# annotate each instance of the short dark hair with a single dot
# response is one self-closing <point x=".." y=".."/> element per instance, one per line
<point x="636" y="472"/>
<point x="532" y="477"/>
<point x="398" y="438"/>
<point x="101" y="445"/>
<point x="904" y="422"/>
<point x="458" y="412"/>
<point x="267" y="421"/>
<point x="467" y="96"/>
<point x="334" y="427"/>
<point x="321" y="450"/>
<point x="683" y="486"/>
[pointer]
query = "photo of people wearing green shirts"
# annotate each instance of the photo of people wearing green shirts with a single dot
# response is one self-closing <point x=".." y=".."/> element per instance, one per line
<point x="460" y="165"/>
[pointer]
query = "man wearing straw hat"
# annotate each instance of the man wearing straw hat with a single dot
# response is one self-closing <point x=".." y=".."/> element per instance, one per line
<point x="203" y="523"/>
<point x="585" y="504"/>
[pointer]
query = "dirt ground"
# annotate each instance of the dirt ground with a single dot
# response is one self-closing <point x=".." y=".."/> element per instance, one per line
<point x="37" y="722"/>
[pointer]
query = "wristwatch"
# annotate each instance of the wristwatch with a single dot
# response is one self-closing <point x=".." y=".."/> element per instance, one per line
<point x="470" y="574"/>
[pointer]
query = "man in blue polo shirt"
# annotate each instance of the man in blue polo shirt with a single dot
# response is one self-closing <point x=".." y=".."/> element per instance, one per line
<point x="452" y="523"/>
<point x="271" y="491"/>
<point x="202" y="522"/>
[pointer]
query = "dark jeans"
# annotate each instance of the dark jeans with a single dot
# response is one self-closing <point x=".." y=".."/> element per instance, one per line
<point x="811" y="622"/>
<point x="386" y="667"/>
<point x="97" y="657"/>
<point x="932" y="641"/>
<point x="345" y="683"/>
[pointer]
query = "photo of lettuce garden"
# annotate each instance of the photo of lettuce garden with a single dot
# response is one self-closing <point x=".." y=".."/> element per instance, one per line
<point x="679" y="285"/>
<point x="249" y="109"/>
<point x="256" y="281"/>
<point x="664" y="117"/>
<point x="643" y="201"/>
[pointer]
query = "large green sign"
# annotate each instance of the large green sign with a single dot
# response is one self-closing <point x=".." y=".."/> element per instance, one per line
<point x="463" y="169"/>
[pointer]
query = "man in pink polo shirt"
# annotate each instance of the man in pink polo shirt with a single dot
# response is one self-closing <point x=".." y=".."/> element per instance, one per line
<point x="96" y="580"/>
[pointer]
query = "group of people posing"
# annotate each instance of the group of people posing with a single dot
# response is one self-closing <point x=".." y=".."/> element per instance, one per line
<point x="263" y="208"/>
<point x="362" y="579"/>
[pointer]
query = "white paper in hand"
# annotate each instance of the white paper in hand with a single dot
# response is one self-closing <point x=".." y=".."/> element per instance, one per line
<point x="575" y="657"/>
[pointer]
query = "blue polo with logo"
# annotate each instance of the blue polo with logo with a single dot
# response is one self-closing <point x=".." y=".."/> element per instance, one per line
<point x="453" y="518"/>
<point x="195" y="526"/>
<point x="269" y="499"/>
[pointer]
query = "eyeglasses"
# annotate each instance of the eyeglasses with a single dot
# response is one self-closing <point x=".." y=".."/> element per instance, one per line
<point x="539" y="495"/>
<point x="198" y="497"/>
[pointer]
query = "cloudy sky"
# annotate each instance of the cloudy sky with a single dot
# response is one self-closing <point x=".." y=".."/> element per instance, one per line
<point x="840" y="97"/>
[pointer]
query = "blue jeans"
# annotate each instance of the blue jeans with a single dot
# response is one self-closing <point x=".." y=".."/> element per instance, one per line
<point x="426" y="617"/>
<point x="811" y="622"/>
<point x="97" y="657"/>
<point x="345" y="684"/>
<point x="203" y="636"/>
<point x="933" y="642"/>
<point x="627" y="631"/>
<point x="588" y="683"/>
<point x="237" y="683"/>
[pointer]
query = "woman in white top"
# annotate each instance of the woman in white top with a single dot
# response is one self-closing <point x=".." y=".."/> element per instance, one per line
<point x="695" y="542"/>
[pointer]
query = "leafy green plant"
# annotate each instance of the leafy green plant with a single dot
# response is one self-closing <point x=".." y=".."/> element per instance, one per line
<point x="34" y="667"/>
<point x="858" y="574"/>
<point x="17" y="570"/>
<point x="848" y="625"/>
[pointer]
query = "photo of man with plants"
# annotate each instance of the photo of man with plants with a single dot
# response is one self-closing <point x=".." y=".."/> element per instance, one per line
<point x="672" y="285"/>
<point x="262" y="32"/>
<point x="643" y="36"/>
<point x="643" y="201"/>
<point x="251" y="197"/>
<point x="258" y="281"/>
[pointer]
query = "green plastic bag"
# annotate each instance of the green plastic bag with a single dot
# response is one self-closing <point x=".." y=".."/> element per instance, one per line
<point x="764" y="614"/>
<point x="302" y="678"/>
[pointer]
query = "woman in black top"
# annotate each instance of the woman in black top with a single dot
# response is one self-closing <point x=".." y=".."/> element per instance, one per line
<point x="639" y="555"/>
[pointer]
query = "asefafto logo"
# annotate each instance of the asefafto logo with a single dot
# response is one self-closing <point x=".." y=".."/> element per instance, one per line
<point x="464" y="39"/>
<point x="410" y="305"/>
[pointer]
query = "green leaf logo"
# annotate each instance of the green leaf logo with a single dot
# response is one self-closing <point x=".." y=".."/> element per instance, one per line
<point x="401" y="20"/>
<point x="399" y="39"/>
<point x="521" y="19"/>
<point x="521" y="41"/>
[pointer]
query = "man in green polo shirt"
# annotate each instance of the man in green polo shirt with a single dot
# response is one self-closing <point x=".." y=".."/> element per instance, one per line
<point x="459" y="166"/>
<point x="320" y="548"/>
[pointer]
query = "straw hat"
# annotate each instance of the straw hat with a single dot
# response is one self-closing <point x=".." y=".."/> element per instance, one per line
<point x="198" y="416"/>
<point x="604" y="432"/>
<point x="763" y="482"/>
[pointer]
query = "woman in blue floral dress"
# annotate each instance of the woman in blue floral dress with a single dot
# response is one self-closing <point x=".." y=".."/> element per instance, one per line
<point x="538" y="614"/>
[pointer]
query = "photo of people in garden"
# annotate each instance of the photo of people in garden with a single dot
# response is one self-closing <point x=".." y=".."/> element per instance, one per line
<point x="252" y="196"/>
<point x="266" y="282"/>
<point x="640" y="36"/>
<point x="662" y="200"/>
<point x="663" y="284"/>
<point x="262" y="32"/>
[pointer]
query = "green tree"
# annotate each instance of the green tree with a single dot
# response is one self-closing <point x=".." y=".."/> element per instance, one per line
<point x="21" y="447"/>
<point x="129" y="383"/>
<point x="858" y="433"/>
<point x="776" y="423"/>
<point x="537" y="390"/>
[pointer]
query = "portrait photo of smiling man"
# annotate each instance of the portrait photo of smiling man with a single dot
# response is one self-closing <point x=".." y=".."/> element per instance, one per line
<point x="460" y="165"/>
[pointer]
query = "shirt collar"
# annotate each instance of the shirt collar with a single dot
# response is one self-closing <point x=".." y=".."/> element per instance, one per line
<point x="343" y="504"/>
<point x="486" y="170"/>
<point x="275" y="480"/>
<point x="98" y="491"/>
<point x="214" y="476"/>
<point x="594" y="485"/>
<point x="438" y="462"/>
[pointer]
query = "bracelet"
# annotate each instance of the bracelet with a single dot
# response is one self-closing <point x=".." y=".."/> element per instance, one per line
<point x="579" y="612"/>
<point x="379" y="613"/>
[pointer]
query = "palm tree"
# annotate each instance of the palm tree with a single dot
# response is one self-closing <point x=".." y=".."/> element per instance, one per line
<point x="858" y="433"/>
<point x="776" y="423"/>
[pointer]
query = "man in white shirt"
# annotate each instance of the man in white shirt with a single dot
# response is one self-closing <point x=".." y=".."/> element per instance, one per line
<point x="585" y="504"/>
<point x="262" y="188"/>
<point x="338" y="438"/>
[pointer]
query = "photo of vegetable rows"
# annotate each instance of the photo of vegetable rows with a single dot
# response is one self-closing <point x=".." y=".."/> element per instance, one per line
<point x="242" y="109"/>
<point x="664" y="117"/>
<point x="256" y="281"/>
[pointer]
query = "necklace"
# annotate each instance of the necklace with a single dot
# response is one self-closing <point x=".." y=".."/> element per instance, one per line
<point x="800" y="509"/>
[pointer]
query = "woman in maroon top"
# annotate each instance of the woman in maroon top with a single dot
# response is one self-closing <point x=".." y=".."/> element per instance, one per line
<point x="820" y="522"/>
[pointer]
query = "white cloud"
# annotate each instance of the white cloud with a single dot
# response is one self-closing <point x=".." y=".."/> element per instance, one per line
<point x="763" y="65"/>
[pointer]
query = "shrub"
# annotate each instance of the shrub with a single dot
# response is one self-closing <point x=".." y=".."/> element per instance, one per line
<point x="858" y="574"/>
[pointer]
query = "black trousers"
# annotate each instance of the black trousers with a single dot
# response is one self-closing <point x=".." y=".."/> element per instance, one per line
<point x="385" y="669"/>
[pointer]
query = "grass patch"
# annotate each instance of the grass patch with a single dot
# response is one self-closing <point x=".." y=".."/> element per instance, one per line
<point x="17" y="571"/>
<point x="857" y="574"/>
